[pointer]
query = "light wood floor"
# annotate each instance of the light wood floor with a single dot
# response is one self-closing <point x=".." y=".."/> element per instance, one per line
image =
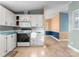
<point x="52" y="48"/>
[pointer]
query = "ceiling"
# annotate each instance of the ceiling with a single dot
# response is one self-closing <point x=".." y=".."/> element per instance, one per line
<point x="19" y="6"/>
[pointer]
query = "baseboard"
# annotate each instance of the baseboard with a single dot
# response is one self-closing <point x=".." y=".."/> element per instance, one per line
<point x="73" y="48"/>
<point x="64" y="35"/>
<point x="53" y="37"/>
<point x="23" y="44"/>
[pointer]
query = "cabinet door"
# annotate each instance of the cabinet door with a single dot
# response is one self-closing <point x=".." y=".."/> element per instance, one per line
<point x="9" y="43"/>
<point x="7" y="18"/>
<point x="2" y="45"/>
<point x="2" y="20"/>
<point x="24" y="24"/>
<point x="48" y="13"/>
<point x="40" y="41"/>
<point x="28" y="17"/>
<point x="21" y="17"/>
<point x="40" y="38"/>
<point x="33" y="20"/>
<point x="14" y="41"/>
<point x="24" y="17"/>
<point x="39" y="20"/>
<point x="10" y="19"/>
<point x="14" y="20"/>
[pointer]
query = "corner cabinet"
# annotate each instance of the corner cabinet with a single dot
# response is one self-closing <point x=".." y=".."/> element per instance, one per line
<point x="7" y="18"/>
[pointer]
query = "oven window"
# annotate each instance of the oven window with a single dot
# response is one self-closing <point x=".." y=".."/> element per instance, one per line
<point x="23" y="38"/>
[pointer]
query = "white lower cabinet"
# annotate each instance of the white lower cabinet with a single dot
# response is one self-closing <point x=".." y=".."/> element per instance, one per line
<point x="7" y="43"/>
<point x="11" y="42"/>
<point x="37" y="42"/>
<point x="14" y="40"/>
<point x="2" y="45"/>
<point x="37" y="39"/>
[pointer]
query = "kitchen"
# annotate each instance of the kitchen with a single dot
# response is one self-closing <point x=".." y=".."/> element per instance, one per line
<point x="37" y="29"/>
<point x="27" y="30"/>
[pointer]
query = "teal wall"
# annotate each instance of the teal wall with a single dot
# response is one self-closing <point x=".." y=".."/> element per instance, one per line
<point x="63" y="22"/>
<point x="74" y="34"/>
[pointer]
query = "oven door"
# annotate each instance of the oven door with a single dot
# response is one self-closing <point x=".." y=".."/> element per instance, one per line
<point x="23" y="37"/>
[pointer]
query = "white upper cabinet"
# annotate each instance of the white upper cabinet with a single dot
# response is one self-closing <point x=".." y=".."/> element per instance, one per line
<point x="10" y="18"/>
<point x="39" y="20"/>
<point x="34" y="20"/>
<point x="7" y="18"/>
<point x="13" y="19"/>
<point x="2" y="14"/>
<point x="48" y="13"/>
<point x="24" y="24"/>
<point x="24" y="17"/>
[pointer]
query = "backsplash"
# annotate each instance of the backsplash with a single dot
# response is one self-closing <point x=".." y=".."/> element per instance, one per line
<point x="6" y="28"/>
